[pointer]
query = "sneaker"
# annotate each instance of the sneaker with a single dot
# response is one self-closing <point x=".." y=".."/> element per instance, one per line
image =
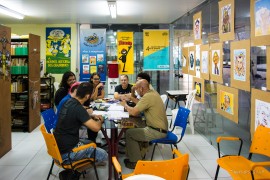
<point x="130" y="165"/>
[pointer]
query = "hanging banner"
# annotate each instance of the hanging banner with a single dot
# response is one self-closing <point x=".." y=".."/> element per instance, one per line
<point x="156" y="50"/>
<point x="125" y="52"/>
<point x="58" y="50"/>
<point x="92" y="53"/>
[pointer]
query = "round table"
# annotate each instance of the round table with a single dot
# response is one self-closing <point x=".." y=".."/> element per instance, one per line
<point x="144" y="177"/>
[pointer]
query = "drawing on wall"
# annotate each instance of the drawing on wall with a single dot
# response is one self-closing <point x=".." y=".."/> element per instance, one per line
<point x="86" y="69"/>
<point x="191" y="60"/>
<point x="197" y="30"/>
<point x="198" y="61"/>
<point x="184" y="61"/>
<point x="100" y="57"/>
<point x="198" y="86"/>
<point x="262" y="113"/>
<point x="226" y="102"/>
<point x="240" y="64"/>
<point x="215" y="62"/>
<point x="262" y="17"/>
<point x="204" y="62"/>
<point x="226" y="18"/>
<point x="85" y="58"/>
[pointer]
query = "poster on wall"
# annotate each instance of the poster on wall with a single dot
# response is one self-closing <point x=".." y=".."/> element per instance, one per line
<point x="198" y="61"/>
<point x="205" y="62"/>
<point x="268" y="67"/>
<point x="125" y="47"/>
<point x="197" y="28"/>
<point x="198" y="84"/>
<point x="185" y="62"/>
<point x="227" y="102"/>
<point x="58" y="49"/>
<point x="240" y="65"/>
<point x="260" y="109"/>
<point x="260" y="22"/>
<point x="93" y="53"/>
<point x="216" y="62"/>
<point x="192" y="60"/>
<point x="156" y="50"/>
<point x="226" y="20"/>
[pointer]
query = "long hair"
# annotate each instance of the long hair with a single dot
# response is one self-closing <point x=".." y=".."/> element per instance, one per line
<point x="65" y="77"/>
<point x="92" y="76"/>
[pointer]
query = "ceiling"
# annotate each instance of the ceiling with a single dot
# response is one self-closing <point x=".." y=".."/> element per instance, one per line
<point x="97" y="11"/>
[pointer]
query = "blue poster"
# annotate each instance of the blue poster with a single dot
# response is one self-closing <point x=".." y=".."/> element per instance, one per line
<point x="93" y="53"/>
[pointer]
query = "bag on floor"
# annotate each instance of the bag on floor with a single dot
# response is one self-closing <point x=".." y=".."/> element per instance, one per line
<point x="67" y="174"/>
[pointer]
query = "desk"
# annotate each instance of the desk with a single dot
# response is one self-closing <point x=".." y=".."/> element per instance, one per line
<point x="176" y="95"/>
<point x="113" y="140"/>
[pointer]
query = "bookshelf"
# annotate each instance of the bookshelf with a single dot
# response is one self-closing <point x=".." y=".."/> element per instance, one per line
<point x="46" y="93"/>
<point x="25" y="83"/>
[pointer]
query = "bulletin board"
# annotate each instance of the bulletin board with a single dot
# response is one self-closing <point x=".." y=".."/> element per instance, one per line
<point x="227" y="102"/>
<point x="197" y="28"/>
<point x="216" y="62"/>
<point x="260" y="109"/>
<point x="198" y="84"/>
<point x="226" y="20"/>
<point x="240" y="65"/>
<point x="205" y="67"/>
<point x="185" y="62"/>
<point x="259" y="22"/>
<point x="268" y="67"/>
<point x="192" y="60"/>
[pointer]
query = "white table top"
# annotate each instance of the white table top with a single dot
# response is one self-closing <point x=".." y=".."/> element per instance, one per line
<point x="144" y="177"/>
<point x="177" y="92"/>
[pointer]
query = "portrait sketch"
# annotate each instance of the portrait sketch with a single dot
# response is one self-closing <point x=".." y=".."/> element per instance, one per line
<point x="198" y="87"/>
<point x="204" y="62"/>
<point x="85" y="58"/>
<point x="262" y="17"/>
<point x="226" y="102"/>
<point x="240" y="64"/>
<point x="226" y="18"/>
<point x="191" y="60"/>
<point x="197" y="28"/>
<point x="215" y="62"/>
<point x="262" y="113"/>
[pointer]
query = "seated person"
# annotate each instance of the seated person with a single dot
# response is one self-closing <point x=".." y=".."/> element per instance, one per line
<point x="123" y="91"/>
<point x="99" y="91"/>
<point x="68" y="79"/>
<point x="135" y="96"/>
<point x="71" y="117"/>
<point x="156" y="122"/>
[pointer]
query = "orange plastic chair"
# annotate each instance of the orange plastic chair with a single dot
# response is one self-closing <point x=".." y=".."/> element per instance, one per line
<point x="54" y="152"/>
<point x="168" y="169"/>
<point x="243" y="168"/>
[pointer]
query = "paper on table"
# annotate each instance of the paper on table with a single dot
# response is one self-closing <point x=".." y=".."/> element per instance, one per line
<point x="100" y="113"/>
<point x="117" y="115"/>
<point x="116" y="108"/>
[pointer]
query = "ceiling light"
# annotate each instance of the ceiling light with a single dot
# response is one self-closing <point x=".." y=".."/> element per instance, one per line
<point x="112" y="7"/>
<point x="10" y="12"/>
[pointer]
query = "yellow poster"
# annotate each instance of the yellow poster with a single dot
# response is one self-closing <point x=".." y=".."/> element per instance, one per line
<point x="226" y="102"/>
<point x="125" y="52"/>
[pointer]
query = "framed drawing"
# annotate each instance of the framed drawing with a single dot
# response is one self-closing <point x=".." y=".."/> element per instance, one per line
<point x="205" y="62"/>
<point x="268" y="67"/>
<point x="226" y="20"/>
<point x="227" y="102"/>
<point x="240" y="65"/>
<point x="216" y="62"/>
<point x="185" y="62"/>
<point x="260" y="109"/>
<point x="198" y="84"/>
<point x="197" y="28"/>
<point x="260" y="22"/>
<point x="192" y="60"/>
<point x="198" y="61"/>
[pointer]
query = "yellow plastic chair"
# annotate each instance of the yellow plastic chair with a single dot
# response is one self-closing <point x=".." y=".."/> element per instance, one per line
<point x="168" y="169"/>
<point x="54" y="152"/>
<point x="243" y="168"/>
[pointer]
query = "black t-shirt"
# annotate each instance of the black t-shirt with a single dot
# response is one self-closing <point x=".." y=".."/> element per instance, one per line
<point x="71" y="117"/>
<point x="59" y="95"/>
<point x="120" y="90"/>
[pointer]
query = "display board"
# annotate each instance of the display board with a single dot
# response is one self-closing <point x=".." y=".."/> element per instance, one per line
<point x="240" y="65"/>
<point x="198" y="84"/>
<point x="227" y="102"/>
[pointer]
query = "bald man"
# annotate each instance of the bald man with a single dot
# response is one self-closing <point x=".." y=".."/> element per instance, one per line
<point x="156" y="120"/>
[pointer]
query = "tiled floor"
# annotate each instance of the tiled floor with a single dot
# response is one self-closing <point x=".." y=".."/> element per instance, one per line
<point x="28" y="159"/>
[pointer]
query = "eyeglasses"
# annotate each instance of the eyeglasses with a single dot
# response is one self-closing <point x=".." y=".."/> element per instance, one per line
<point x="71" y="80"/>
<point x="96" y="79"/>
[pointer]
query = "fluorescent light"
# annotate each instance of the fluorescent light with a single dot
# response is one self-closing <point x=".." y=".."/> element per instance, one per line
<point x="10" y="12"/>
<point x="112" y="7"/>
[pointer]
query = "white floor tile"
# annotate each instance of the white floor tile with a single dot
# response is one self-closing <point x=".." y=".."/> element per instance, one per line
<point x="197" y="171"/>
<point x="211" y="166"/>
<point x="18" y="136"/>
<point x="33" y="145"/>
<point x="204" y="152"/>
<point x="10" y="172"/>
<point x="17" y="158"/>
